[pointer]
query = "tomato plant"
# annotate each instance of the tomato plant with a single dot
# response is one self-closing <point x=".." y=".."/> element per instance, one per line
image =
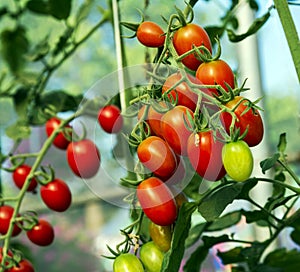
<point x="156" y="155"/>
<point x="205" y="155"/>
<point x="185" y="38"/>
<point x="150" y="34"/>
<point x="151" y="257"/>
<point x="83" y="158"/>
<point x="42" y="233"/>
<point x="154" y="118"/>
<point x="174" y="128"/>
<point x="238" y="160"/>
<point x="110" y="119"/>
<point x="6" y="213"/>
<point x="247" y="118"/>
<point x="60" y="140"/>
<point x="157" y="201"/>
<point x="161" y="236"/>
<point x="56" y="195"/>
<point x="19" y="177"/>
<point x="216" y="72"/>
<point x="127" y="262"/>
<point x="23" y="266"/>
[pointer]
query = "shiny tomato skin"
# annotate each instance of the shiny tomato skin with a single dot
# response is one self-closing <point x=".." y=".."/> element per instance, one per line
<point x="205" y="155"/>
<point x="60" y="140"/>
<point x="6" y="213"/>
<point x="23" y="266"/>
<point x="157" y="201"/>
<point x="42" y="234"/>
<point x="83" y="158"/>
<point x="151" y="257"/>
<point x="183" y="93"/>
<point x="154" y="119"/>
<point x="56" y="195"/>
<point x="251" y="119"/>
<point x="127" y="262"/>
<point x="238" y="160"/>
<point x="150" y="34"/>
<point x="174" y="129"/>
<point x="110" y="119"/>
<point x="19" y="177"/>
<point x="216" y="72"/>
<point x="161" y="236"/>
<point x="156" y="155"/>
<point x="184" y="39"/>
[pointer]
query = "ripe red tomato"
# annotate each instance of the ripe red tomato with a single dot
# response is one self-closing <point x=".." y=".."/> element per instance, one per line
<point x="157" y="201"/>
<point x="60" y="140"/>
<point x="110" y="119"/>
<point x="150" y="34"/>
<point x="174" y="129"/>
<point x="185" y="96"/>
<point x="42" y="234"/>
<point x="56" y="195"/>
<point x="250" y="119"/>
<point x="19" y="176"/>
<point x="185" y="38"/>
<point x="23" y="266"/>
<point x="156" y="155"/>
<point x="83" y="158"/>
<point x="154" y="119"/>
<point x="6" y="213"/>
<point x="179" y="174"/>
<point x="205" y="155"/>
<point x="216" y="72"/>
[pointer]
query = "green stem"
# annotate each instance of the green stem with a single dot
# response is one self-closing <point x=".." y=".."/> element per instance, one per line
<point x="290" y="171"/>
<point x="290" y="32"/>
<point x="280" y="183"/>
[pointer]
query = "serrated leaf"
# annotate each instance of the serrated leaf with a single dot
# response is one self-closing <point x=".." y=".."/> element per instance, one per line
<point x="212" y="206"/>
<point x="60" y="9"/>
<point x="282" y="143"/>
<point x="173" y="257"/>
<point x="269" y="162"/>
<point x="231" y="256"/>
<point x="19" y="130"/>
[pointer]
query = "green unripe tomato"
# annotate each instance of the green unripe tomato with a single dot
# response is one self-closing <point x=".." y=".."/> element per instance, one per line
<point x="161" y="236"/>
<point x="151" y="257"/>
<point x="238" y="160"/>
<point x="127" y="263"/>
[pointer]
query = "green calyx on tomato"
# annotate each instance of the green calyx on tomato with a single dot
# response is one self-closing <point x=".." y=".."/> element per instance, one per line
<point x="238" y="160"/>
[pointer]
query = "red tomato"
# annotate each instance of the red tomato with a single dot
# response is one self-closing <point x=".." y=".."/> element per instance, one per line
<point x="56" y="195"/>
<point x="154" y="119"/>
<point x="174" y="129"/>
<point x="185" y="38"/>
<point x="23" y="266"/>
<point x="42" y="234"/>
<point x="250" y="119"/>
<point x="60" y="140"/>
<point x="186" y="97"/>
<point x="156" y="155"/>
<point x="110" y="119"/>
<point x="150" y="34"/>
<point x="205" y="155"/>
<point x="19" y="177"/>
<point x="157" y="201"/>
<point x="216" y="72"/>
<point x="179" y="173"/>
<point x="6" y="213"/>
<point x="83" y="158"/>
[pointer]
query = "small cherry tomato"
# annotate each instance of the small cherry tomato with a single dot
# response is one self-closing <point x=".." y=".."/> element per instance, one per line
<point x="56" y="195"/>
<point x="161" y="236"/>
<point x="185" y="38"/>
<point x="238" y="160"/>
<point x="60" y="140"/>
<point x="42" y="234"/>
<point x="151" y="257"/>
<point x="110" y="119"/>
<point x="127" y="262"/>
<point x="83" y="158"/>
<point x="150" y="34"/>
<point x="19" y="177"/>
<point x="6" y="213"/>
<point x="154" y="119"/>
<point x="157" y="201"/>
<point x="23" y="266"/>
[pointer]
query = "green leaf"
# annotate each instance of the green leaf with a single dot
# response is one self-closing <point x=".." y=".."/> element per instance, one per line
<point x="288" y="261"/>
<point x="256" y="25"/>
<point x="253" y="253"/>
<point x="225" y="221"/>
<point x="254" y="216"/>
<point x="173" y="257"/>
<point x="192" y="189"/>
<point x="17" y="40"/>
<point x="195" y="234"/>
<point x="269" y="162"/>
<point x="231" y="256"/>
<point x="214" y="204"/>
<point x="266" y="268"/>
<point x="60" y="9"/>
<point x="253" y="4"/>
<point x="38" y="6"/>
<point x="7" y="112"/>
<point x="196" y="259"/>
<point x="39" y="51"/>
<point x="282" y="143"/>
<point x="246" y="188"/>
<point x="19" y="130"/>
<point x="295" y="236"/>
